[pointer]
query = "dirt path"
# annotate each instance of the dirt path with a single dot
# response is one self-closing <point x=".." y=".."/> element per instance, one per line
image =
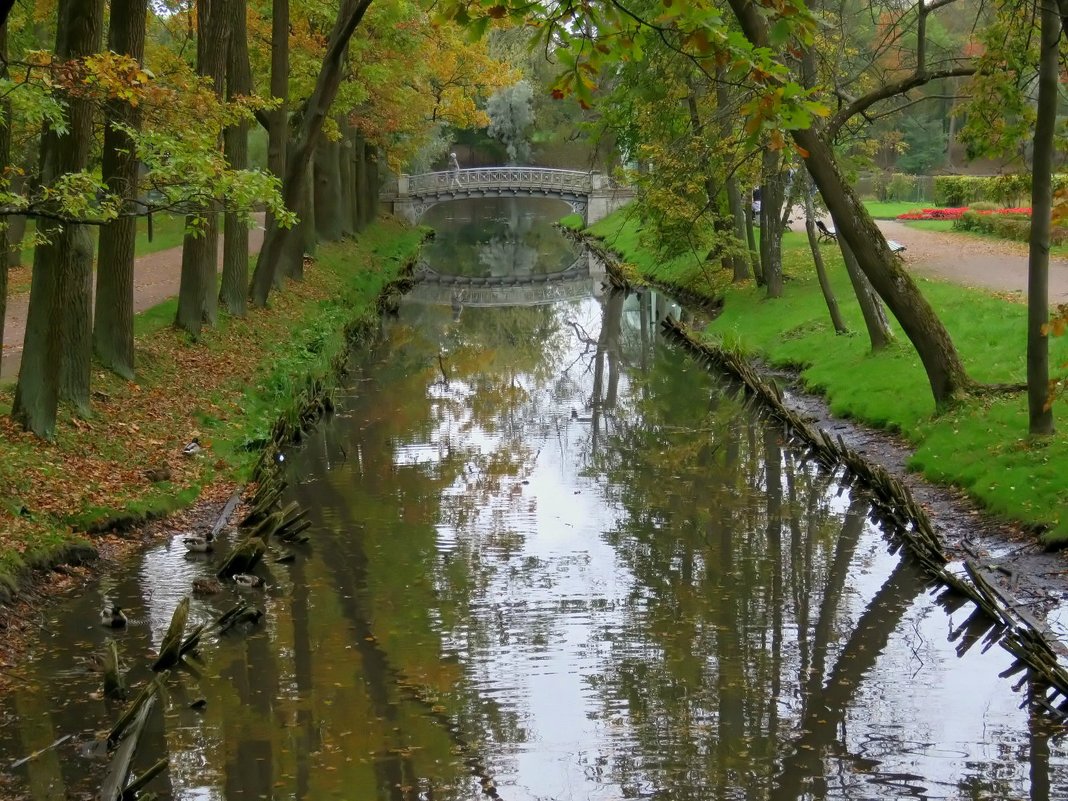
<point x="156" y="278"/>
<point x="972" y="260"/>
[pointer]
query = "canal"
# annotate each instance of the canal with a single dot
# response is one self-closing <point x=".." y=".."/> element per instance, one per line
<point x="550" y="558"/>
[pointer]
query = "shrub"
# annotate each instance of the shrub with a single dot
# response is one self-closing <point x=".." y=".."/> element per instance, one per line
<point x="901" y="187"/>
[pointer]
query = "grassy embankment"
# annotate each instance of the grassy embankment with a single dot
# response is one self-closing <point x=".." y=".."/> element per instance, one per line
<point x="229" y="389"/>
<point x="982" y="446"/>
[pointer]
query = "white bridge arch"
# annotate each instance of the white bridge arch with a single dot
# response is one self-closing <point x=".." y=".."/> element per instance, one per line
<point x="590" y="194"/>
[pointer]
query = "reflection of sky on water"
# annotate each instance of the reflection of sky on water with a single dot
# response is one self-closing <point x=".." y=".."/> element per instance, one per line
<point x="497" y="237"/>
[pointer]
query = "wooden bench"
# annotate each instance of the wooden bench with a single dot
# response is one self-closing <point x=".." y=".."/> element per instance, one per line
<point x="825" y="233"/>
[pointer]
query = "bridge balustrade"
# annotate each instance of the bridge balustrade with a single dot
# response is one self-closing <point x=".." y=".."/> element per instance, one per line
<point x="493" y="177"/>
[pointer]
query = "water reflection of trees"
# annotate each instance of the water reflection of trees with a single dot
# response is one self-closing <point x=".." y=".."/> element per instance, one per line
<point x="742" y="662"/>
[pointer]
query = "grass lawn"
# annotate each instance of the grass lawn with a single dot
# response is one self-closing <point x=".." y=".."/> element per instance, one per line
<point x="228" y="390"/>
<point x="981" y="446"/>
<point x="889" y="210"/>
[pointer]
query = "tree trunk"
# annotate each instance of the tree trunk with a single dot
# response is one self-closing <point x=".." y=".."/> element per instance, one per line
<point x="346" y="180"/>
<point x="5" y="161"/>
<point x="360" y="160"/>
<point x="771" y="198"/>
<point x="374" y="183"/>
<point x="234" y="291"/>
<point x="754" y="252"/>
<point x="327" y="188"/>
<point x="821" y="270"/>
<point x="871" y="308"/>
<point x="945" y="371"/>
<point x="300" y="152"/>
<point x="278" y="119"/>
<point x="113" y="340"/>
<point x="1039" y="407"/>
<point x="196" y="290"/>
<point x="734" y="203"/>
<point x="60" y="269"/>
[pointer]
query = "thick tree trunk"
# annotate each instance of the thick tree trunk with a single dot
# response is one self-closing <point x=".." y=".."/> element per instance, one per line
<point x="5" y="161"/>
<point x="821" y="270"/>
<point x="871" y="308"/>
<point x="234" y="290"/>
<point x="1039" y="408"/>
<point x="327" y="188"/>
<point x="196" y="291"/>
<point x="16" y="232"/>
<point x="300" y="152"/>
<point x="62" y="268"/>
<point x="113" y="340"/>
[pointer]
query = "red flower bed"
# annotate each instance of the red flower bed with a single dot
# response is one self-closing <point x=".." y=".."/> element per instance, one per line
<point x="955" y="213"/>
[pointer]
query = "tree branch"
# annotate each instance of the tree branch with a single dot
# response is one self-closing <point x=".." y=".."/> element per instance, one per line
<point x="889" y="90"/>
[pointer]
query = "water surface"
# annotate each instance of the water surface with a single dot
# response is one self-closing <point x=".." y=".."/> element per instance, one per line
<point x="553" y="559"/>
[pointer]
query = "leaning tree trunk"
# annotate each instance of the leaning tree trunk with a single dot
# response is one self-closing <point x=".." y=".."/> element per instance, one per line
<point x="234" y="290"/>
<point x="942" y="363"/>
<point x="871" y="308"/>
<point x="113" y="340"/>
<point x="821" y="270"/>
<point x="60" y="268"/>
<point x="1039" y="408"/>
<point x="301" y="149"/>
<point x="196" y="290"/>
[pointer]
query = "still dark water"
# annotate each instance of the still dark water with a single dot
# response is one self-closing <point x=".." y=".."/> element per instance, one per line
<point x="551" y="559"/>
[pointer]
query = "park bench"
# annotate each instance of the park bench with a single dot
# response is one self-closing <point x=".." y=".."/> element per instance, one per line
<point x="827" y="233"/>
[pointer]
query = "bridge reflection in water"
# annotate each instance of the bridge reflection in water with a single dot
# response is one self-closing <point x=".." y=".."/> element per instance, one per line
<point x="582" y="279"/>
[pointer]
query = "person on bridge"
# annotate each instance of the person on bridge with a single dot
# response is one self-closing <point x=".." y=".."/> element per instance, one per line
<point x="454" y="168"/>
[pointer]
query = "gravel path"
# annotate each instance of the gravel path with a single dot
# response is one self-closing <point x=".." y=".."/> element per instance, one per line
<point x="972" y="260"/>
<point x="156" y="278"/>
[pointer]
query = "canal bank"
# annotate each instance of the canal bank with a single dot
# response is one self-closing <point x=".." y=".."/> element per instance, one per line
<point x="87" y="492"/>
<point x="979" y="448"/>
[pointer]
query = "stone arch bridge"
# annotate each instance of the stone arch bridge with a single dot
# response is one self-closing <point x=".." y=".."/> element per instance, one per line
<point x="590" y="194"/>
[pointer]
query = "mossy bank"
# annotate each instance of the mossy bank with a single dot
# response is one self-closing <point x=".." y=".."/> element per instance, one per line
<point x="231" y="391"/>
<point x="980" y="446"/>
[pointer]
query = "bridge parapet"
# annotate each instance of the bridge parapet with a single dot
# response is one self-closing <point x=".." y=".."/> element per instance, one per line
<point x="433" y="183"/>
<point x="590" y="194"/>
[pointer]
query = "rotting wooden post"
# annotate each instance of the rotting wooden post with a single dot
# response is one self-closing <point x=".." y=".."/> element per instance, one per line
<point x="114" y="686"/>
<point x="170" y="650"/>
<point x="114" y="785"/>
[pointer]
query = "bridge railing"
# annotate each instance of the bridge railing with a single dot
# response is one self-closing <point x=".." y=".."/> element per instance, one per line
<point x="486" y="177"/>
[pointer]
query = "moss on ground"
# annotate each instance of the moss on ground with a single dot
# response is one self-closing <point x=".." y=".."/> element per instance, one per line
<point x="981" y="446"/>
<point x="125" y="463"/>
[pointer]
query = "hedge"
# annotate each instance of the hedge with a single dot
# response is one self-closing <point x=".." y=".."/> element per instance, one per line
<point x="1006" y="226"/>
<point x="1004" y="190"/>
